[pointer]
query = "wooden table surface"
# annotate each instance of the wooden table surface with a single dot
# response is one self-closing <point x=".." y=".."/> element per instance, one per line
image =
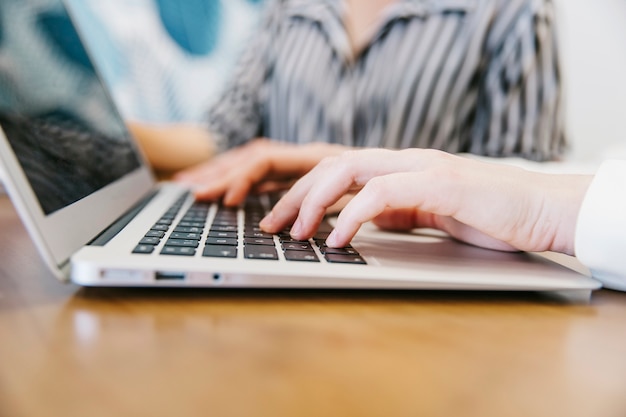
<point x="67" y="351"/>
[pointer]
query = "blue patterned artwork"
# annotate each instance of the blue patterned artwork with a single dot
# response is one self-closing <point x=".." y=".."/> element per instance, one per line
<point x="195" y="25"/>
<point x="166" y="60"/>
<point x="59" y="29"/>
<point x="38" y="38"/>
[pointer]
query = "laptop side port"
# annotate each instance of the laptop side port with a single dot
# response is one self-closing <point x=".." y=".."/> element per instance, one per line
<point x="169" y="276"/>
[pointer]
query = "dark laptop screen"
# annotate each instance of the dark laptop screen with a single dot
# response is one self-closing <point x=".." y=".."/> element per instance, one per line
<point x="54" y="110"/>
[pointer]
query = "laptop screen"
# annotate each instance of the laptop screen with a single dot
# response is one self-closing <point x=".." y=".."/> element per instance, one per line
<point x="54" y="110"/>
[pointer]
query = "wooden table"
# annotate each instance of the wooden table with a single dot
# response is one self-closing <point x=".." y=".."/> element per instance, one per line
<point x="67" y="351"/>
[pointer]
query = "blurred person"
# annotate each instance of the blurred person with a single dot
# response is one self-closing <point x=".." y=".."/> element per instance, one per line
<point x="495" y="206"/>
<point x="321" y="77"/>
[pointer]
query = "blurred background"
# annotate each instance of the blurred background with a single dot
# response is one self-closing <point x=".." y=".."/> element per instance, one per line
<point x="167" y="60"/>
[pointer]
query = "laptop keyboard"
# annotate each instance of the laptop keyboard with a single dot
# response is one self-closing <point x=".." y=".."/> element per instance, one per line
<point x="213" y="231"/>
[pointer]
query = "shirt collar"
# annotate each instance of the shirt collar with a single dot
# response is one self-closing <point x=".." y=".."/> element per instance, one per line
<point x="319" y="9"/>
<point x="329" y="15"/>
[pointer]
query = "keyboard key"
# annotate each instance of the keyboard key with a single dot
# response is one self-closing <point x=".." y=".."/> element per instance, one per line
<point x="159" y="226"/>
<point x="155" y="233"/>
<point x="222" y="228"/>
<point x="221" y="241"/>
<point x="229" y="235"/>
<point x="193" y="219"/>
<point x="348" y="250"/>
<point x="216" y="251"/>
<point x="149" y="240"/>
<point x="190" y="224"/>
<point x="260" y="252"/>
<point x="188" y="229"/>
<point x="178" y="235"/>
<point x="192" y="243"/>
<point x="141" y="248"/>
<point x="261" y="235"/>
<point x="258" y="241"/>
<point x="178" y="250"/>
<point x="224" y="222"/>
<point x="302" y="256"/>
<point x="344" y="259"/>
<point x="301" y="246"/>
<point x="289" y="239"/>
<point x="226" y="217"/>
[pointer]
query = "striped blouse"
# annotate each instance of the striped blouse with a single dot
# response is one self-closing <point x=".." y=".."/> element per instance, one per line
<point x="478" y="76"/>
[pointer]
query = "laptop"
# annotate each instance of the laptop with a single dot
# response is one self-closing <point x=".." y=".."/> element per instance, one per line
<point x="99" y="218"/>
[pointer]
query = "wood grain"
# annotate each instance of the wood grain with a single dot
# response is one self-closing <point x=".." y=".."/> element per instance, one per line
<point x="67" y="351"/>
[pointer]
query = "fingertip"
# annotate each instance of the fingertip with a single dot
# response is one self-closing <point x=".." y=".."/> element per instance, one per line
<point x="209" y="191"/>
<point x="333" y="240"/>
<point x="267" y="223"/>
<point x="296" y="230"/>
<point x="233" y="198"/>
<point x="201" y="194"/>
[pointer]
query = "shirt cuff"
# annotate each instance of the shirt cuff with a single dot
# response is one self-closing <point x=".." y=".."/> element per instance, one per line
<point x="601" y="227"/>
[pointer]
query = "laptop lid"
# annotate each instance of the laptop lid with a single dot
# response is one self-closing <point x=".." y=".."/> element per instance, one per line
<point x="70" y="164"/>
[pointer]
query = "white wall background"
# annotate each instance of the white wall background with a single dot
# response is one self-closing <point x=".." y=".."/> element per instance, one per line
<point x="593" y="39"/>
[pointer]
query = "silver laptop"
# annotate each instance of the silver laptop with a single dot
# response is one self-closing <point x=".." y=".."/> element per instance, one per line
<point x="99" y="218"/>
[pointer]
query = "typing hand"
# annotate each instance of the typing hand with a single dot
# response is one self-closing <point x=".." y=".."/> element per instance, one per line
<point x="262" y="165"/>
<point x="489" y="205"/>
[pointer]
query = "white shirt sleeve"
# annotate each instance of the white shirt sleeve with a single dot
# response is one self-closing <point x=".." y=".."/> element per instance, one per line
<point x="601" y="228"/>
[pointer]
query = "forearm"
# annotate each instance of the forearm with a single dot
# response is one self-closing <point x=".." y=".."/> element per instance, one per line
<point x="170" y="148"/>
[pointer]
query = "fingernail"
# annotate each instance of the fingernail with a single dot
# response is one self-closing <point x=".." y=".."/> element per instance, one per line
<point x="295" y="229"/>
<point x="267" y="220"/>
<point x="331" y="240"/>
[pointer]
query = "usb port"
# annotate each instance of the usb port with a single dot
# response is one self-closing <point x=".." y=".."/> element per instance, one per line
<point x="169" y="276"/>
